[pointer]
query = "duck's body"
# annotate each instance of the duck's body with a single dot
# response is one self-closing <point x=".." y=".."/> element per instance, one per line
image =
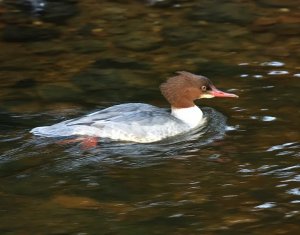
<point x="143" y="123"/>
<point x="134" y="122"/>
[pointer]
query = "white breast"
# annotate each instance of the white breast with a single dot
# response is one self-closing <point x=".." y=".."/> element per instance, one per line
<point x="192" y="116"/>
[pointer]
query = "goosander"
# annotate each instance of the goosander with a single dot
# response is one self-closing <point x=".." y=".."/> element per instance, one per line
<point x="144" y="123"/>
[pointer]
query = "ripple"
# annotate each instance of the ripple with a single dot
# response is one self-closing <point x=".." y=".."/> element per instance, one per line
<point x="176" y="215"/>
<point x="273" y="64"/>
<point x="281" y="185"/>
<point x="294" y="191"/>
<point x="232" y="128"/>
<point x="280" y="146"/>
<point x="258" y="76"/>
<point x="291" y="214"/>
<point x="268" y="118"/>
<point x="268" y="87"/>
<point x="295" y="201"/>
<point x="238" y="109"/>
<point x="266" y="167"/>
<point x="266" y="205"/>
<point x="263" y="118"/>
<point x="246" y="170"/>
<point x="282" y="172"/>
<point x="296" y="178"/>
<point x="278" y="72"/>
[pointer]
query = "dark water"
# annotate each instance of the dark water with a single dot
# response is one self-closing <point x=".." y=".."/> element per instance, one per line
<point x="67" y="58"/>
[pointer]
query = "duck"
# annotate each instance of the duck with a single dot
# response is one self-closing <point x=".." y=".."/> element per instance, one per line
<point x="144" y="123"/>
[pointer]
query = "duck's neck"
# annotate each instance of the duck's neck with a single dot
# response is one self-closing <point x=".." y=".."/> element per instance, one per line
<point x="192" y="116"/>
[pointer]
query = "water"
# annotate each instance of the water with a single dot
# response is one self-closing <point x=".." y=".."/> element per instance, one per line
<point x="240" y="175"/>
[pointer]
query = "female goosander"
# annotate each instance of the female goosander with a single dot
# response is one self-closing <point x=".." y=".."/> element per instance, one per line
<point x="144" y="123"/>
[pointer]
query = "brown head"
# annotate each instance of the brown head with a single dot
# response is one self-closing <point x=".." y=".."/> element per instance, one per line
<point x="183" y="89"/>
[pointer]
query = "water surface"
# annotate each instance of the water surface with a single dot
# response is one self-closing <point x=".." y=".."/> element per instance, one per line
<point x="240" y="179"/>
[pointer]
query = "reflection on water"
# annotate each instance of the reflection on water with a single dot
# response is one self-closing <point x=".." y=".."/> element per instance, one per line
<point x="238" y="177"/>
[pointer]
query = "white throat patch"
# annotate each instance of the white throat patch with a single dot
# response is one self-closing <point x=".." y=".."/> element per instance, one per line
<point x="192" y="116"/>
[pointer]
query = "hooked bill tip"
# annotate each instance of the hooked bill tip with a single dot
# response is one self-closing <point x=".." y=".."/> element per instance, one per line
<point x="218" y="93"/>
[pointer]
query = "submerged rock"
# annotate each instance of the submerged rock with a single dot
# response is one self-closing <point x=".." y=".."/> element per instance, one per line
<point x="101" y="81"/>
<point x="162" y="3"/>
<point x="104" y="84"/>
<point x="88" y="46"/>
<point x="14" y="33"/>
<point x="226" y="12"/>
<point x="48" y="48"/>
<point x="177" y="35"/>
<point x="278" y="3"/>
<point x="75" y="202"/>
<point x="265" y="38"/>
<point x="282" y="24"/>
<point x="286" y="29"/>
<point x="59" y="11"/>
<point x="95" y="79"/>
<point x="56" y="11"/>
<point x="25" y="83"/>
<point x="138" y="41"/>
<point x="120" y="63"/>
<point x="30" y="6"/>
<point x="217" y="68"/>
<point x="57" y="92"/>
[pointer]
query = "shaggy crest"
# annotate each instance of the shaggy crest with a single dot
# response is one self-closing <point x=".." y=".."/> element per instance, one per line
<point x="183" y="89"/>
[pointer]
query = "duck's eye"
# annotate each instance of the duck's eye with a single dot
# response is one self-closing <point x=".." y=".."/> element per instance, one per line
<point x="203" y="88"/>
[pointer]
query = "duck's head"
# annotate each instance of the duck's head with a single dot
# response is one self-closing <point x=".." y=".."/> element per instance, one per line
<point x="182" y="90"/>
